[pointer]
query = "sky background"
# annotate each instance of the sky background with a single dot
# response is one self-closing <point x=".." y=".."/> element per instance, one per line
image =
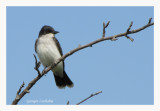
<point x="122" y="70"/>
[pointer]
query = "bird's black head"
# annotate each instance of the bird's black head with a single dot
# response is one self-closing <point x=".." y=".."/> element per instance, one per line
<point x="46" y="30"/>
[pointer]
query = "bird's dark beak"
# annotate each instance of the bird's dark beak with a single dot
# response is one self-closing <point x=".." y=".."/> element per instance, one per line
<point x="55" y="32"/>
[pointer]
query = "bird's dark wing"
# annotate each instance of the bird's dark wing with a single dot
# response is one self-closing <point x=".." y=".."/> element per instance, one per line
<point x="58" y="46"/>
<point x="35" y="46"/>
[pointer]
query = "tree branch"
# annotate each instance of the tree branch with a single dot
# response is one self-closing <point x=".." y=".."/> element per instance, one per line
<point x="17" y="95"/>
<point x="89" y="97"/>
<point x="86" y="98"/>
<point x="104" y="27"/>
<point x="37" y="65"/>
<point x="103" y="38"/>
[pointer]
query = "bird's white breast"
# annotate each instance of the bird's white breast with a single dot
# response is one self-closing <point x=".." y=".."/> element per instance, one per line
<point x="48" y="53"/>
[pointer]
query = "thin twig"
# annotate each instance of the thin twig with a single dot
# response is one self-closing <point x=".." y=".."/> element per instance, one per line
<point x="130" y="26"/>
<point x="37" y="65"/>
<point x="67" y="102"/>
<point x="46" y="70"/>
<point x="150" y="19"/>
<point x="127" y="32"/>
<point x="17" y="95"/>
<point x="104" y="27"/>
<point x="89" y="97"/>
<point x="129" y="38"/>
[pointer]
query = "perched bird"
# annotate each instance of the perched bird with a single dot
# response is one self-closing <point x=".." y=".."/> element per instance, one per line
<point x="49" y="50"/>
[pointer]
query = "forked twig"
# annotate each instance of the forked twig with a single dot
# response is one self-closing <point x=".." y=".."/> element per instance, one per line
<point x="104" y="27"/>
<point x="37" y="65"/>
<point x="17" y="95"/>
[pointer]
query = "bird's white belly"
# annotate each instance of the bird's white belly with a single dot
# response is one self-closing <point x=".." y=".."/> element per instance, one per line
<point x="48" y="54"/>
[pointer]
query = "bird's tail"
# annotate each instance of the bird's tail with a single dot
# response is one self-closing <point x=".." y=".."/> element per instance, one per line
<point x="64" y="81"/>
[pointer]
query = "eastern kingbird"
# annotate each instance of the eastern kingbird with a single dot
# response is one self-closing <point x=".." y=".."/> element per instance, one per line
<point x="49" y="50"/>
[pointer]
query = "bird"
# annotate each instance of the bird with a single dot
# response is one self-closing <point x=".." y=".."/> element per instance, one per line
<point x="49" y="50"/>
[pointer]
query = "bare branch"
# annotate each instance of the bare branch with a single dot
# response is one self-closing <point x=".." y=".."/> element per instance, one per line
<point x="150" y="19"/>
<point x="46" y="70"/>
<point x="129" y="38"/>
<point x="37" y="65"/>
<point x="104" y="27"/>
<point x="26" y="90"/>
<point x="130" y="26"/>
<point x="17" y="95"/>
<point x="103" y="35"/>
<point x="89" y="97"/>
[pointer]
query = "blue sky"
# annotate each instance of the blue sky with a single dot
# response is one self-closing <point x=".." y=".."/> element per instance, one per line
<point x="122" y="70"/>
